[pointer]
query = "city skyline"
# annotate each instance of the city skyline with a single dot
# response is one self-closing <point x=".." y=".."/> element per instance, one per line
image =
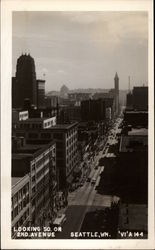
<point x="78" y="48"/>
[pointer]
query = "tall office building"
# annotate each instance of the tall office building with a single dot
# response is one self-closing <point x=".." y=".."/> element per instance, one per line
<point x="93" y="110"/>
<point x="140" y="98"/>
<point x="40" y="93"/>
<point x="24" y="85"/>
<point x="116" y="89"/>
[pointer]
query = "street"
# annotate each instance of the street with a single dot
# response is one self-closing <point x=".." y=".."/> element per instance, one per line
<point x="86" y="198"/>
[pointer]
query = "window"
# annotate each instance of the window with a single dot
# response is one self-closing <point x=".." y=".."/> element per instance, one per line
<point x="11" y="215"/>
<point x="33" y="178"/>
<point x="15" y="198"/>
<point x="20" y="194"/>
<point x="33" y="167"/>
<point x="24" y="189"/>
<point x="16" y="211"/>
<point x="20" y="206"/>
<point x="33" y="190"/>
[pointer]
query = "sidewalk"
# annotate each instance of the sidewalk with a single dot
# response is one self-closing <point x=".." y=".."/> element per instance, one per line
<point x="48" y="220"/>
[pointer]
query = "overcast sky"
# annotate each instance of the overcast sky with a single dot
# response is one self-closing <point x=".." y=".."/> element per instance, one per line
<point x="84" y="49"/>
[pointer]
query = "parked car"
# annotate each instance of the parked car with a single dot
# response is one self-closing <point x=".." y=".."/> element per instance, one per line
<point x="60" y="220"/>
<point x="88" y="179"/>
<point x="93" y="181"/>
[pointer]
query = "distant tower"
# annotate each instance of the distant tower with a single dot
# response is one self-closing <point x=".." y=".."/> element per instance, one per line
<point x="116" y="83"/>
<point x="40" y="94"/>
<point x="129" y="83"/>
<point x="25" y="81"/>
<point x="116" y="80"/>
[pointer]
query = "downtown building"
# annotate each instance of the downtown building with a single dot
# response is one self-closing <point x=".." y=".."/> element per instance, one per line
<point x="20" y="202"/>
<point x="137" y="99"/>
<point x="25" y="86"/>
<point x="132" y="164"/>
<point x="78" y="97"/>
<point x="136" y="112"/>
<point x="65" y="136"/>
<point x="132" y="179"/>
<point x="111" y="98"/>
<point x="40" y="94"/>
<point x="34" y="184"/>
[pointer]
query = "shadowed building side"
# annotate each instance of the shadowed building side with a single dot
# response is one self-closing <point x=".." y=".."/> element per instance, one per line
<point x="24" y="84"/>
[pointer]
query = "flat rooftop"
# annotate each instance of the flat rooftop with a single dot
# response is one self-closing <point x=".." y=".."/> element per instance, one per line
<point x="132" y="142"/>
<point x="135" y="112"/>
<point x="140" y="131"/>
<point x="21" y="156"/>
<point x="14" y="180"/>
<point x="133" y="217"/>
<point x="36" y="119"/>
<point x="28" y="150"/>
<point x="64" y="126"/>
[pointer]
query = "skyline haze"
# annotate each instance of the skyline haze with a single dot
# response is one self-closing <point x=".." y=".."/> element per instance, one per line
<point x="84" y="49"/>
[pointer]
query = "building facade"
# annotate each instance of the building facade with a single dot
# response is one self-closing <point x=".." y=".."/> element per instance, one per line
<point x="39" y="163"/>
<point x="140" y="98"/>
<point x="24" y="84"/>
<point x="34" y="123"/>
<point x="116" y="89"/>
<point x="89" y="108"/>
<point x="65" y="136"/>
<point x="20" y="202"/>
<point x="137" y="99"/>
<point x="40" y="94"/>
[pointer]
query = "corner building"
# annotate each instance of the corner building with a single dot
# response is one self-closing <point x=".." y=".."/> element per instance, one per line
<point x="65" y="136"/>
<point x="38" y="162"/>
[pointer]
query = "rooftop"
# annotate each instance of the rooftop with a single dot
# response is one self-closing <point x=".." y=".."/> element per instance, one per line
<point x="140" y="131"/>
<point x="21" y="156"/>
<point x="131" y="143"/>
<point x="30" y="150"/>
<point x="64" y="126"/>
<point x="133" y="217"/>
<point x="37" y="119"/>
<point x="22" y="179"/>
<point x="135" y="112"/>
<point x="15" y="180"/>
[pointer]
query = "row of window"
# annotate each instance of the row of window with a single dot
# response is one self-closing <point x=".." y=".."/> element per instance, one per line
<point x="41" y="162"/>
<point x="42" y="171"/>
<point x="71" y="148"/>
<point x="71" y="132"/>
<point x="20" y="206"/>
<point x="22" y="219"/>
<point x="23" y="116"/>
<point x="72" y="160"/>
<point x="29" y="125"/>
<point x="20" y="194"/>
<point x="71" y="140"/>
<point x="48" y="124"/>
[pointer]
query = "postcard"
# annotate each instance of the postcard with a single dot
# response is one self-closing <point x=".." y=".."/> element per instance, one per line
<point x="77" y="135"/>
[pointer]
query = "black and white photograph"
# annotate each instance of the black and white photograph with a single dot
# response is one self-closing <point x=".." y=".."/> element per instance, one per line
<point x="80" y="147"/>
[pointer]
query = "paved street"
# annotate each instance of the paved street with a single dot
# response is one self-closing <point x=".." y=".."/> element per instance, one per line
<point x="86" y="198"/>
